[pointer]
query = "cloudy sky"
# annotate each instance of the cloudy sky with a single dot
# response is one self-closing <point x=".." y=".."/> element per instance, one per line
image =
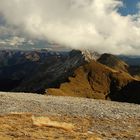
<point x="111" y="26"/>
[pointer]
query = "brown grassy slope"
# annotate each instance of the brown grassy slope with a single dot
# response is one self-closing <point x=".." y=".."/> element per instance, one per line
<point x="93" y="80"/>
<point x="116" y="63"/>
<point x="113" y="62"/>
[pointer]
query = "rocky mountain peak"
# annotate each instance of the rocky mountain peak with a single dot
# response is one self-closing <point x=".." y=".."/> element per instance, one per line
<point x="90" y="55"/>
<point x="87" y="55"/>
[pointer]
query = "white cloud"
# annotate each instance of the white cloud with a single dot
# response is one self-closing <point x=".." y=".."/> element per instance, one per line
<point x="92" y="24"/>
<point x="15" y="41"/>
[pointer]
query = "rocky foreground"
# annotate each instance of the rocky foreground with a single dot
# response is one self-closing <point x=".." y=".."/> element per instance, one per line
<point x="37" y="117"/>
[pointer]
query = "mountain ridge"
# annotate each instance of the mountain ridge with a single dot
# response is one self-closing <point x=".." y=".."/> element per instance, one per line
<point x="75" y="73"/>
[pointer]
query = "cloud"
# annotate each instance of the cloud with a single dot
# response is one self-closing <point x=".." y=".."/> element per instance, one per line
<point x="15" y="41"/>
<point x="92" y="24"/>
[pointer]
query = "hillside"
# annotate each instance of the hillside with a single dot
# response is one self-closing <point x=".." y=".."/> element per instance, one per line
<point x="17" y="66"/>
<point x="113" y="62"/>
<point x="37" y="117"/>
<point x="130" y="65"/>
<point x="94" y="80"/>
<point x="53" y="74"/>
<point x="78" y="73"/>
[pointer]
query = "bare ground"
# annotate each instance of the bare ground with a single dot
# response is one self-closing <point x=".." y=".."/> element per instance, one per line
<point x="38" y="117"/>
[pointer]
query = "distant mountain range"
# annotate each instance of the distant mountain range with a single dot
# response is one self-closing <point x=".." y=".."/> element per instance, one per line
<point x="130" y="60"/>
<point x="78" y="73"/>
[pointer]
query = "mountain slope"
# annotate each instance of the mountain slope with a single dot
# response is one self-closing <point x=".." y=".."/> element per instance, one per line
<point x="76" y="73"/>
<point x="113" y="62"/>
<point x="94" y="80"/>
<point x="118" y="64"/>
<point x="18" y="66"/>
<point x="54" y="74"/>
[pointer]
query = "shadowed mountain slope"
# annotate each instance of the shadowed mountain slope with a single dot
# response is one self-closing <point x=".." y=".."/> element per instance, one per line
<point x="75" y="73"/>
<point x="116" y="63"/>
<point x="54" y="74"/>
<point x="94" y="80"/>
<point x="113" y="62"/>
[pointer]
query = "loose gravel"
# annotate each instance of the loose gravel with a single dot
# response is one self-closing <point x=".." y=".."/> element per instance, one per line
<point x="41" y="104"/>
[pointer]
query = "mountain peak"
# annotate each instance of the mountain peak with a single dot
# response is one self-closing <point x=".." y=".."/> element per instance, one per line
<point x="90" y="55"/>
<point x="113" y="62"/>
<point x="86" y="54"/>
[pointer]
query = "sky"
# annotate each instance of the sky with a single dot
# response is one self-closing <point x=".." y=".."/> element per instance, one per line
<point x="105" y="26"/>
<point x="130" y="7"/>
